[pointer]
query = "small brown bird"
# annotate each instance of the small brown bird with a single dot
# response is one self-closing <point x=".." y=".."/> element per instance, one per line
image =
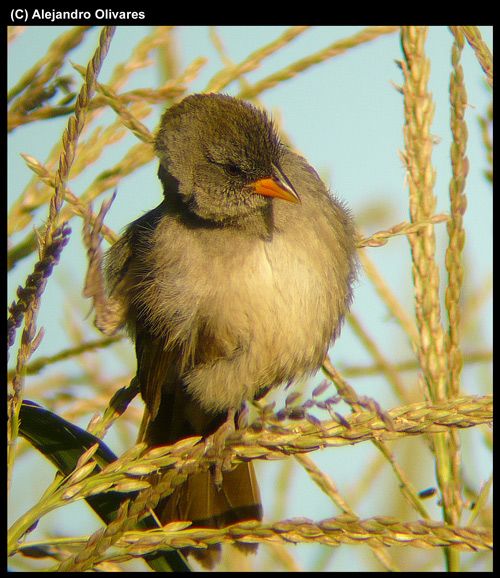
<point x="237" y="282"/>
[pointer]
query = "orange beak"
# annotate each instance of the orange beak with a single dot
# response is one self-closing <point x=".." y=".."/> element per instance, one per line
<point x="277" y="186"/>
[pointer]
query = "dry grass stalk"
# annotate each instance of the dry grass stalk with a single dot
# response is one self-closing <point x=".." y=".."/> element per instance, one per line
<point x="54" y="240"/>
<point x="483" y="53"/>
<point x="366" y="35"/>
<point x="344" y="529"/>
<point x="378" y="532"/>
<point x="235" y="71"/>
<point x="327" y="486"/>
<point x="386" y="366"/>
<point x="390" y="300"/>
<point x="486" y="124"/>
<point x="440" y="359"/>
<point x="410" y="365"/>
<point x="13" y="32"/>
<point x="454" y="267"/>
<point x="42" y="362"/>
<point x="33" y="82"/>
<point x="380" y="238"/>
<point x="357" y="404"/>
<point x="269" y="442"/>
<point x="419" y="112"/>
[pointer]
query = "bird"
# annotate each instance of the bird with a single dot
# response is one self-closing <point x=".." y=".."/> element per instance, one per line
<point x="237" y="282"/>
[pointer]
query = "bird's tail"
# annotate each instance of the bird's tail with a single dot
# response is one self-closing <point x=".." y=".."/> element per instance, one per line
<point x="200" y="499"/>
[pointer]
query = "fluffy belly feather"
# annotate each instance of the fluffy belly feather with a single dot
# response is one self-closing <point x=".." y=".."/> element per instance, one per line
<point x="250" y="315"/>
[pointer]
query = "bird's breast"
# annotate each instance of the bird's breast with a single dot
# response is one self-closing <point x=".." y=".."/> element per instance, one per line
<point x="243" y="313"/>
<point x="269" y="298"/>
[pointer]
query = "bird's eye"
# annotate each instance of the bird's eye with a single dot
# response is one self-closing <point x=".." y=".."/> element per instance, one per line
<point x="233" y="170"/>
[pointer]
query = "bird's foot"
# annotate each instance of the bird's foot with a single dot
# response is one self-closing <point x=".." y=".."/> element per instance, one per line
<point x="218" y="439"/>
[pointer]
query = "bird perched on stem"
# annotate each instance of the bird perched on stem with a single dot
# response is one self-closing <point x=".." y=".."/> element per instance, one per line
<point x="236" y="282"/>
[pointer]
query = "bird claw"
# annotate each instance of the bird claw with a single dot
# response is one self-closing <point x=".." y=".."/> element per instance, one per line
<point x="218" y="445"/>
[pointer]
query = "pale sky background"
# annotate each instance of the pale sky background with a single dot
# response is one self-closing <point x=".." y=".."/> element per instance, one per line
<point x="346" y="117"/>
